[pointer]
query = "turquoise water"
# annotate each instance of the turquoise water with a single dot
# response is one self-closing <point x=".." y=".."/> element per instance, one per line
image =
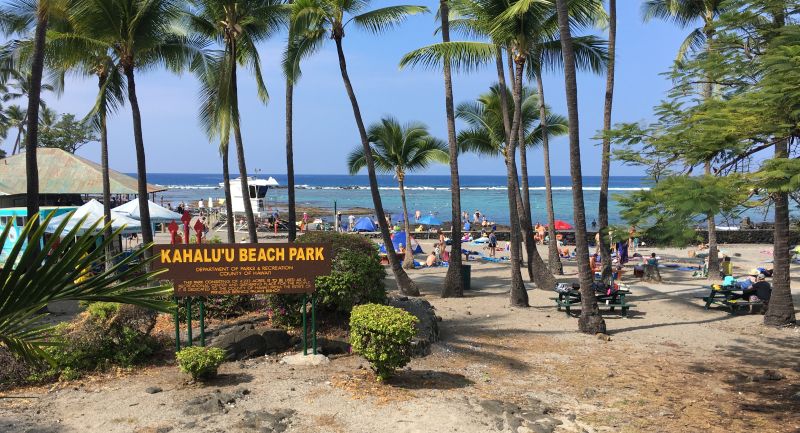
<point x="430" y="194"/>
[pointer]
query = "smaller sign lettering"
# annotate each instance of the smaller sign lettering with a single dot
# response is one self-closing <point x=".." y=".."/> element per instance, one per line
<point x="242" y="269"/>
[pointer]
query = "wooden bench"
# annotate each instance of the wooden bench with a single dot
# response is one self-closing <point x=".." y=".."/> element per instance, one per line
<point x="733" y="305"/>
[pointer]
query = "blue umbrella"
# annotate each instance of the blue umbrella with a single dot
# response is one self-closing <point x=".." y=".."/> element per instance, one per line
<point x="429" y="220"/>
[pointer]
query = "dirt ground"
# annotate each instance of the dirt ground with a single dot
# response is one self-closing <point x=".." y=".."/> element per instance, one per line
<point x="672" y="366"/>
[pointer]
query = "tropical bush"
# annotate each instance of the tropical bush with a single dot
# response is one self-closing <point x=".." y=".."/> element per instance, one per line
<point x="200" y="362"/>
<point x="382" y="335"/>
<point x="106" y="334"/>
<point x="357" y="277"/>
<point x="57" y="271"/>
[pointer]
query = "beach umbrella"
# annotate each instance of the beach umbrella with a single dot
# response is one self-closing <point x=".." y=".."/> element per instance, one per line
<point x="158" y="213"/>
<point x="429" y="220"/>
<point x="562" y="225"/>
<point x="93" y="211"/>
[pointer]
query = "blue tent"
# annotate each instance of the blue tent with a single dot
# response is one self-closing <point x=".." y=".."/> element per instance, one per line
<point x="400" y="238"/>
<point x="364" y="224"/>
<point x="429" y="220"/>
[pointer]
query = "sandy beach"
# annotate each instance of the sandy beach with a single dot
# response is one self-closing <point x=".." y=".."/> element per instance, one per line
<point x="671" y="366"/>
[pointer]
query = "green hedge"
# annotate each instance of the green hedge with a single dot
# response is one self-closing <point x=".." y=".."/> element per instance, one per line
<point x="382" y="335"/>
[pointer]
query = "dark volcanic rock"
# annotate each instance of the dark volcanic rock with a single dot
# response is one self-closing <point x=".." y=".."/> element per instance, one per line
<point x="427" y="327"/>
<point x="247" y="341"/>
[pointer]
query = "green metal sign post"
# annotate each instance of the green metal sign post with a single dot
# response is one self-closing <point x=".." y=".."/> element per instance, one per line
<point x="313" y="324"/>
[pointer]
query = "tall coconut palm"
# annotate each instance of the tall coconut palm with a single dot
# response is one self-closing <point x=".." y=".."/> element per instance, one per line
<point x="314" y="21"/>
<point x="590" y="54"/>
<point x="453" y="284"/>
<point x="215" y="118"/>
<point x="290" y="79"/>
<point x="590" y="320"/>
<point x="142" y="35"/>
<point x="400" y="149"/>
<point x="17" y="118"/>
<point x="238" y="25"/>
<point x="686" y="13"/>
<point x="605" y="165"/>
<point x="18" y="87"/>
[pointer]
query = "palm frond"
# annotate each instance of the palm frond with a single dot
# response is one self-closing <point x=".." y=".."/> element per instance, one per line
<point x="382" y="19"/>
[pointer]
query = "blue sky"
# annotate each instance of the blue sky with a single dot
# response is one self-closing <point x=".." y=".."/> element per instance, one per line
<point x="324" y="127"/>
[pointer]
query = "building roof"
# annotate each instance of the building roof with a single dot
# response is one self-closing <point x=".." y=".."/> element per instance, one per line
<point x="61" y="172"/>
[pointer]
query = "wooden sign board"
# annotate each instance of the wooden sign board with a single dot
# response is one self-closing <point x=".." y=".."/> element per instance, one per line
<point x="242" y="269"/>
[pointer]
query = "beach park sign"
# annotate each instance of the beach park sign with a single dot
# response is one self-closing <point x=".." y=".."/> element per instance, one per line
<point x="242" y="269"/>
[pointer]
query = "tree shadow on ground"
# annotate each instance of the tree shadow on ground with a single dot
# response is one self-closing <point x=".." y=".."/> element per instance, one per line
<point x="11" y="425"/>
<point x="744" y="366"/>
<point x="230" y="379"/>
<point x="428" y="379"/>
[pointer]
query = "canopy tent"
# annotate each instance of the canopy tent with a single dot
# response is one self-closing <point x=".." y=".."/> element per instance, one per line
<point x="158" y="213"/>
<point x="364" y="224"/>
<point x="429" y="220"/>
<point x="272" y="182"/>
<point x="93" y="211"/>
<point x="400" y="238"/>
<point x="562" y="225"/>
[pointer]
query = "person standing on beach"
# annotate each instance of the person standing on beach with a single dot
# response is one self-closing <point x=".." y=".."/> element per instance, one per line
<point x="492" y="244"/>
<point x="476" y="218"/>
<point x="351" y="223"/>
<point x="200" y="205"/>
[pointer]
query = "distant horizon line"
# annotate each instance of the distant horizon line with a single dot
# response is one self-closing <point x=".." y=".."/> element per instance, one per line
<point x="379" y="174"/>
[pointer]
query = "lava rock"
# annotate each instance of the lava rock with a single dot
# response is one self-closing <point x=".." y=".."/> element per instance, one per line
<point x="249" y="341"/>
<point x="153" y="390"/>
<point x="427" y="325"/>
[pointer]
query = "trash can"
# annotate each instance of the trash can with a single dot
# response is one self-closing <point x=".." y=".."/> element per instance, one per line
<point x="466" y="276"/>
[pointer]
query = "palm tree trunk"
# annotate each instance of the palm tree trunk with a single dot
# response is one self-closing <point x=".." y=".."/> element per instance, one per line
<point x="519" y="295"/>
<point x="226" y="182"/>
<point x="590" y="321"/>
<point x="237" y="136"/>
<point x="408" y="260"/>
<point x="553" y="256"/>
<point x="18" y="141"/>
<point x="404" y="283"/>
<point x="525" y="202"/>
<point x="106" y="177"/>
<point x="605" y="168"/>
<point x="290" y="161"/>
<point x="780" y="311"/>
<point x="141" y="164"/>
<point x="32" y="136"/>
<point x="713" y="251"/>
<point x="501" y="81"/>
<point x="453" y="285"/>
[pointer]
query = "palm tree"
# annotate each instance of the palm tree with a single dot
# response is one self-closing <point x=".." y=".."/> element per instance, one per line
<point x="238" y="25"/>
<point x="453" y="284"/>
<point x="591" y="55"/>
<point x="605" y="168"/>
<point x="17" y="118"/>
<point x="290" y="78"/>
<point x="400" y="149"/>
<point x="215" y="118"/>
<point x="486" y="135"/>
<point x="313" y="21"/>
<point x="685" y="13"/>
<point x="590" y="320"/>
<point x="141" y="35"/>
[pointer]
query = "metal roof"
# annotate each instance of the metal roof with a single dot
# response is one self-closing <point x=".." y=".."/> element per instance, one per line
<point x="61" y="172"/>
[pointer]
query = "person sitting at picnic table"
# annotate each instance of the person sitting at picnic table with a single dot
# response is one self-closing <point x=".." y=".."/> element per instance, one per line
<point x="431" y="259"/>
<point x="401" y="249"/>
<point x="653" y="260"/>
<point x="760" y="291"/>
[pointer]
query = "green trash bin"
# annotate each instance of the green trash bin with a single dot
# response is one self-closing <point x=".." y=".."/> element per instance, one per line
<point x="466" y="276"/>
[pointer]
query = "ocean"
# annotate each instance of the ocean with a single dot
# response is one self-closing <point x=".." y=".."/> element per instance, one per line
<point x="429" y="194"/>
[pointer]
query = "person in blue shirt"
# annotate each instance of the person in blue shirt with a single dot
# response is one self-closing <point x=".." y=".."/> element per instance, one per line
<point x="492" y="244"/>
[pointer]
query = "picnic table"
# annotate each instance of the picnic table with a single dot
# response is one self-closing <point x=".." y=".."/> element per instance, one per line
<point x="568" y="300"/>
<point x="723" y="295"/>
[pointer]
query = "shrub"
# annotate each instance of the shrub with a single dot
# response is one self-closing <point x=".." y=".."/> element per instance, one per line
<point x="200" y="362"/>
<point x="382" y="335"/>
<point x="340" y="241"/>
<point x="106" y="334"/>
<point x="356" y="278"/>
